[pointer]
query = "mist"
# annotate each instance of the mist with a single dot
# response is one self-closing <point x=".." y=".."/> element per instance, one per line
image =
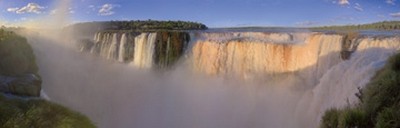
<point x="118" y="95"/>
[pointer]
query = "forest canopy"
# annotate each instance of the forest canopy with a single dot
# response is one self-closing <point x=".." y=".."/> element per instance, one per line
<point x="142" y="25"/>
<point x="384" y="25"/>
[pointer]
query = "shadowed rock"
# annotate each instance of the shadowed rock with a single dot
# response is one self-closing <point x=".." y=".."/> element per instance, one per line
<point x="27" y="85"/>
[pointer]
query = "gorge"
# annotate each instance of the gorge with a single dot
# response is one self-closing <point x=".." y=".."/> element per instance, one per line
<point x="199" y="64"/>
<point x="307" y="72"/>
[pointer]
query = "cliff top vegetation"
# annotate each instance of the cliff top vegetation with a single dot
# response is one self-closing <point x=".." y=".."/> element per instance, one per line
<point x="35" y="113"/>
<point x="384" y="25"/>
<point x="141" y="25"/>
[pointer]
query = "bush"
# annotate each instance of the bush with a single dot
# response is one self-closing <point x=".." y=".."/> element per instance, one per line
<point x="330" y="118"/>
<point x="352" y="118"/>
<point x="389" y="118"/>
<point x="345" y="118"/>
<point x="37" y="113"/>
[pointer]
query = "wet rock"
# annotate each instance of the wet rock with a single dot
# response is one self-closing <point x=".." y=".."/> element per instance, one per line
<point x="26" y="85"/>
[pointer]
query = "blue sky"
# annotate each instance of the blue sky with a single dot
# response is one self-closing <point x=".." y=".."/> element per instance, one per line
<point x="213" y="13"/>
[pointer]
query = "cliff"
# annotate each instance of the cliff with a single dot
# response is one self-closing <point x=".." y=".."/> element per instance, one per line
<point x="20" y="83"/>
<point x="18" y="69"/>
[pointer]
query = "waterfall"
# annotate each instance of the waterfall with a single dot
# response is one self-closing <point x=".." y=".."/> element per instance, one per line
<point x="113" y="51"/>
<point x="144" y="50"/>
<point x="123" y="48"/>
<point x="290" y="78"/>
<point x="339" y="84"/>
<point x="248" y="59"/>
<point x="141" y="50"/>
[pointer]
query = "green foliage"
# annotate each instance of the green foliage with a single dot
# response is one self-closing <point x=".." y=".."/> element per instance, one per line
<point x="141" y="25"/>
<point x="389" y="118"/>
<point x="344" y="118"/>
<point x="381" y="102"/>
<point x="351" y="118"/>
<point x="16" y="54"/>
<point x="385" y="25"/>
<point x="330" y="119"/>
<point x="18" y="113"/>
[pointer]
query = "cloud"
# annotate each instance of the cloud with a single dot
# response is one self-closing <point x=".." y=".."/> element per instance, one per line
<point x="30" y="8"/>
<point x="306" y="23"/>
<point x="12" y="9"/>
<point x="392" y="2"/>
<point x="107" y="9"/>
<point x="358" y="7"/>
<point x="396" y="15"/>
<point x="344" y="2"/>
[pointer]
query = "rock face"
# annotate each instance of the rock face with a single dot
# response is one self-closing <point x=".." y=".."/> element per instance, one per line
<point x="18" y="69"/>
<point x="27" y="85"/>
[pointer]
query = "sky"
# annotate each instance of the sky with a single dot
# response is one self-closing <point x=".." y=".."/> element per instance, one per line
<point x="213" y="13"/>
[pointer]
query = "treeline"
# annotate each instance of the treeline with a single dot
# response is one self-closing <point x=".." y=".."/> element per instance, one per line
<point x="143" y="25"/>
<point x="385" y="25"/>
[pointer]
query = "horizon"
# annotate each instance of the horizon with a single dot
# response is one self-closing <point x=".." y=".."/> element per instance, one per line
<point x="212" y="13"/>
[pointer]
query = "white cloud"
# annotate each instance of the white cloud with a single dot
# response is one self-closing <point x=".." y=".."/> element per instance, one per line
<point x="107" y="9"/>
<point x="12" y="9"/>
<point x="397" y="15"/>
<point x="306" y="23"/>
<point x="392" y="2"/>
<point x="30" y="8"/>
<point x="344" y="2"/>
<point x="358" y="7"/>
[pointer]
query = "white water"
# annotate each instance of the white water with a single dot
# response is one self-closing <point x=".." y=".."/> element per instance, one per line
<point x="122" y="47"/>
<point x="338" y="86"/>
<point x="144" y="50"/>
<point x="117" y="95"/>
<point x="113" y="49"/>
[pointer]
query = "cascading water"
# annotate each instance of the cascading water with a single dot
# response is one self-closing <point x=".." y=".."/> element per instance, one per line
<point x="123" y="48"/>
<point x="248" y="59"/>
<point x="113" y="51"/>
<point x="291" y="78"/>
<point x="144" y="50"/>
<point x="338" y="85"/>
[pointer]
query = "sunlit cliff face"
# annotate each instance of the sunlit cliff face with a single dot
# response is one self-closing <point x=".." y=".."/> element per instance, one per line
<point x="247" y="58"/>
